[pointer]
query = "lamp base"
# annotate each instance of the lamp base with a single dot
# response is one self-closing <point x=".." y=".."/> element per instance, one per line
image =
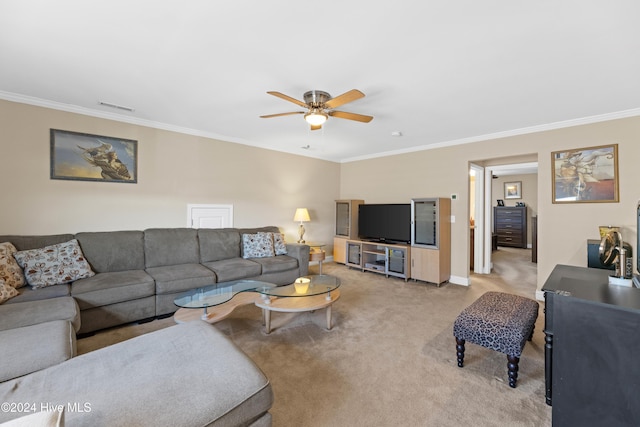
<point x="301" y="231"/>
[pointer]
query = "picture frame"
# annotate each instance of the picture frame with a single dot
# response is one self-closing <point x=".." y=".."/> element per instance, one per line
<point x="585" y="175"/>
<point x="513" y="190"/>
<point x="85" y="157"/>
<point x="500" y="202"/>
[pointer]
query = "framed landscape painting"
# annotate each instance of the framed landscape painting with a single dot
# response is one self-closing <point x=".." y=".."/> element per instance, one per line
<point x="86" y="157"/>
<point x="584" y="175"/>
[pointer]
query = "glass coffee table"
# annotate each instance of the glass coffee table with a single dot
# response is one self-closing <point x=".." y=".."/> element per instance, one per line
<point x="308" y="293"/>
<point x="218" y="301"/>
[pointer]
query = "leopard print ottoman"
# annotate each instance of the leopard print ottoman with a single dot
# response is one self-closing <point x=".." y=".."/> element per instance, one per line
<point x="498" y="321"/>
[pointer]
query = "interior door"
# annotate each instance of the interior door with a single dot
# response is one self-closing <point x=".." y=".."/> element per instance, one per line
<point x="210" y="216"/>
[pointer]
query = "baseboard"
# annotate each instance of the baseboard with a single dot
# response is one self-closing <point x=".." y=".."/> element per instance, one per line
<point x="457" y="280"/>
<point x="540" y="295"/>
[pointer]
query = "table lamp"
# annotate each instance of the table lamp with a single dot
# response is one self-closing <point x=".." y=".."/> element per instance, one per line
<point x="301" y="215"/>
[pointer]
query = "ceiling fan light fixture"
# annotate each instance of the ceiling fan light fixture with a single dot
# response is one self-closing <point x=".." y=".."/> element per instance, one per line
<point x="316" y="117"/>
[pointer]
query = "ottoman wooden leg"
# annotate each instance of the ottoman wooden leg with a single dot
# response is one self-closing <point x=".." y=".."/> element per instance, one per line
<point x="460" y="351"/>
<point x="512" y="366"/>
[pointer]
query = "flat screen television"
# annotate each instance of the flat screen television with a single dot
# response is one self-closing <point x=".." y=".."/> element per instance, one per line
<point x="385" y="222"/>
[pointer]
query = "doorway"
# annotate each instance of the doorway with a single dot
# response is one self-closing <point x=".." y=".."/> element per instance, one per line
<point x="488" y="186"/>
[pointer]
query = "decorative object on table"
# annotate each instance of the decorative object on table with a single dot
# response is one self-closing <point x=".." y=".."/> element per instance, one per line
<point x="302" y="285"/>
<point x="85" y="157"/>
<point x="500" y="202"/>
<point x="513" y="190"/>
<point x="612" y="251"/>
<point x="605" y="229"/>
<point x="520" y="204"/>
<point x="585" y="175"/>
<point x="302" y="215"/>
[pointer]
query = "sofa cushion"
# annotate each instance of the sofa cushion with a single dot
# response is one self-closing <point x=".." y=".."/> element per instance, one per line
<point x="218" y="244"/>
<point x="10" y="271"/>
<point x="258" y="245"/>
<point x="45" y="418"/>
<point x="276" y="264"/>
<point x="33" y="312"/>
<point x="54" y="265"/>
<point x="26" y="353"/>
<point x="6" y="292"/>
<point x="234" y="269"/>
<point x="113" y="250"/>
<point x="22" y="243"/>
<point x="179" y="278"/>
<point x="171" y="246"/>
<point x="27" y="293"/>
<point x="159" y="370"/>
<point x="110" y="288"/>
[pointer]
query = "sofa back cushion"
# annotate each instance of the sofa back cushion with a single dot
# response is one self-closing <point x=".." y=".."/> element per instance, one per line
<point x="23" y="243"/>
<point x="171" y="246"/>
<point x="218" y="244"/>
<point x="113" y="250"/>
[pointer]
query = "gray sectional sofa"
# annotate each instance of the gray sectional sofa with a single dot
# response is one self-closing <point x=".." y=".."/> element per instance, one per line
<point x="185" y="375"/>
<point x="140" y="273"/>
<point x="191" y="373"/>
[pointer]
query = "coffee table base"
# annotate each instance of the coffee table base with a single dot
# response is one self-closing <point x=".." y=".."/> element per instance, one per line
<point x="218" y="312"/>
<point x="297" y="305"/>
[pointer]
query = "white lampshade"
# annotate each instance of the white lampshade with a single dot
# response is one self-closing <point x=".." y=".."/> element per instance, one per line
<point x="302" y="215"/>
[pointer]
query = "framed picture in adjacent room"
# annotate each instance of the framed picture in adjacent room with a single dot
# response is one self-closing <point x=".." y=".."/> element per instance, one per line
<point x="86" y="157"/>
<point x="513" y="190"/>
<point x="583" y="175"/>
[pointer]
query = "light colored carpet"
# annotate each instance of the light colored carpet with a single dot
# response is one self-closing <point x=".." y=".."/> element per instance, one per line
<point x="390" y="358"/>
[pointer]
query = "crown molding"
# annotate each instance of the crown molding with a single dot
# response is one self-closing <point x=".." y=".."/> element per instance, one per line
<point x="24" y="99"/>
<point x="70" y="108"/>
<point x="515" y="132"/>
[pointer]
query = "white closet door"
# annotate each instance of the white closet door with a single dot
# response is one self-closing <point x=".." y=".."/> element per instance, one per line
<point x="210" y="216"/>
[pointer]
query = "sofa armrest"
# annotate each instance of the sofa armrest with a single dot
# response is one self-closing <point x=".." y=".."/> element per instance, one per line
<point x="301" y="253"/>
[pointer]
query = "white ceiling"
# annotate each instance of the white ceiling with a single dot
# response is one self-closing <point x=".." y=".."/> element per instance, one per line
<point x="441" y="72"/>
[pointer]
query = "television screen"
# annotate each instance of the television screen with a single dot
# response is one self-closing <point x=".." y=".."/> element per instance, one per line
<point x="385" y="222"/>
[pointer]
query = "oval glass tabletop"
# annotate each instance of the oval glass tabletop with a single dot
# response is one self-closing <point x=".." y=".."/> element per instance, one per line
<point x="219" y="293"/>
<point x="303" y="287"/>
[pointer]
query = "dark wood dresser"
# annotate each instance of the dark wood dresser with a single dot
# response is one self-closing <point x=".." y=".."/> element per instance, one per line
<point x="591" y="349"/>
<point x="510" y="225"/>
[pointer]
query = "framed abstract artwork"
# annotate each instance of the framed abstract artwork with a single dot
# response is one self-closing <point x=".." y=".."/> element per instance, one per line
<point x="585" y="175"/>
<point x="86" y="157"/>
<point x="513" y="190"/>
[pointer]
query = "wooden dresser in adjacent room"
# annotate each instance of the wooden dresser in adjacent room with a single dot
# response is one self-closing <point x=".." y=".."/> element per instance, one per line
<point x="510" y="225"/>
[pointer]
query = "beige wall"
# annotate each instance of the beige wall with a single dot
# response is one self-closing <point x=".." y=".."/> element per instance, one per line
<point x="266" y="186"/>
<point x="174" y="169"/>
<point x="529" y="196"/>
<point x="563" y="228"/>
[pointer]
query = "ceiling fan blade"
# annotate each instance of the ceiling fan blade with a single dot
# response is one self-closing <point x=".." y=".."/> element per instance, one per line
<point x="316" y="127"/>
<point x="350" y="116"/>
<point x="288" y="98"/>
<point x="346" y="97"/>
<point x="268" y="116"/>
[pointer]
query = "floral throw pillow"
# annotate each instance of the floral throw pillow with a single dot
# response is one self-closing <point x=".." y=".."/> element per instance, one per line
<point x="10" y="271"/>
<point x="279" y="246"/>
<point x="54" y="265"/>
<point x="6" y="292"/>
<point x="257" y="245"/>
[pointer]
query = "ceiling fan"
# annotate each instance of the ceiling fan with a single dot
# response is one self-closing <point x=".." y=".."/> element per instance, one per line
<point x="320" y="106"/>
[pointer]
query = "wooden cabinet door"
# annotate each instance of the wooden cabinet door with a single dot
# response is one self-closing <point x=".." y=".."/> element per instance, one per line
<point x="339" y="250"/>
